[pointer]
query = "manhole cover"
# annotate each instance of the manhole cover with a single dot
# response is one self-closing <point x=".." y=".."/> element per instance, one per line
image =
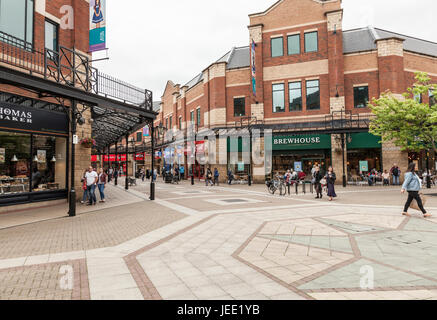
<point x="234" y="200"/>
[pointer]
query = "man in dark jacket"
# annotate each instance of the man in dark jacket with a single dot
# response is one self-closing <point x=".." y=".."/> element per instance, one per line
<point x="317" y="176"/>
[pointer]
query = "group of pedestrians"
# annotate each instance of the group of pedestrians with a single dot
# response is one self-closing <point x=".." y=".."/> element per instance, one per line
<point x="92" y="180"/>
<point x="147" y="174"/>
<point x="328" y="180"/>
<point x="212" y="178"/>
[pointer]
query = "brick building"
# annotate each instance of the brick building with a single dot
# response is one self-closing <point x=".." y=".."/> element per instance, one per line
<point x="50" y="94"/>
<point x="306" y="77"/>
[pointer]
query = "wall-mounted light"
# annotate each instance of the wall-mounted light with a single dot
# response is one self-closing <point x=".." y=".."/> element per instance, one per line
<point x="14" y="158"/>
<point x="35" y="159"/>
<point x="53" y="159"/>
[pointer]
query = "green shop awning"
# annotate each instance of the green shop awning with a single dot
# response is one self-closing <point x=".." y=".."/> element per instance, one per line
<point x="363" y="140"/>
<point x="302" y="142"/>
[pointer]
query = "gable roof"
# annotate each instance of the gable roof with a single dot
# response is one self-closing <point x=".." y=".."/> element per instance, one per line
<point x="237" y="57"/>
<point x="363" y="39"/>
<point x="356" y="40"/>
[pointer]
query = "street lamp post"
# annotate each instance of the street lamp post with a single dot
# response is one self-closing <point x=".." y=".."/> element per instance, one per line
<point x="342" y="155"/>
<point x="428" y="178"/>
<point x="152" y="184"/>
<point x="126" y="185"/>
<point x="72" y="196"/>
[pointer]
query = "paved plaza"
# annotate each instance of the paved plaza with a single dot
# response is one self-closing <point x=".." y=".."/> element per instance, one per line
<point x="222" y="242"/>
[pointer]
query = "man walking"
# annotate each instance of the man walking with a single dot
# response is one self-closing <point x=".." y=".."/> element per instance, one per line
<point x="91" y="181"/>
<point x="395" y="172"/>
<point x="216" y="176"/>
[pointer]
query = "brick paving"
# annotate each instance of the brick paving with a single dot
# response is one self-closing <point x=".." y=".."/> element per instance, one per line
<point x="226" y="243"/>
<point x="45" y="282"/>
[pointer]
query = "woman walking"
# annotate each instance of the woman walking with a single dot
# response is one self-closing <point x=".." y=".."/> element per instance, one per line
<point x="330" y="180"/>
<point x="101" y="182"/>
<point x="317" y="176"/>
<point x="412" y="186"/>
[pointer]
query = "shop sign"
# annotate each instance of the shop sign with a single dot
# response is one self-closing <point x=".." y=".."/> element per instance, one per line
<point x="120" y="157"/>
<point x="139" y="156"/>
<point x="364" y="166"/>
<point x="240" y="166"/>
<point x="298" y="166"/>
<point x="362" y="140"/>
<point x="301" y="142"/>
<point x="31" y="119"/>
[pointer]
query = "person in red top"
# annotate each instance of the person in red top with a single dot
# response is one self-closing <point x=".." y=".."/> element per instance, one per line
<point x="301" y="175"/>
<point x="101" y="182"/>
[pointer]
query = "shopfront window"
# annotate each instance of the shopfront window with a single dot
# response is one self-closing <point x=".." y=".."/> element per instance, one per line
<point x="16" y="23"/>
<point x="278" y="97"/>
<point x="361" y="96"/>
<point x="295" y="94"/>
<point x="14" y="162"/>
<point x="371" y="156"/>
<point x="49" y="163"/>
<point x="313" y="95"/>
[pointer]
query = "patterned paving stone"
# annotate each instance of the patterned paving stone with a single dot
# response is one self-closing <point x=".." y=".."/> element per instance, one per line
<point x="56" y="281"/>
<point x="350" y="276"/>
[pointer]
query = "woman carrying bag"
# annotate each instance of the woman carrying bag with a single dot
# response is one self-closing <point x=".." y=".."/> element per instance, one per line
<point x="412" y="185"/>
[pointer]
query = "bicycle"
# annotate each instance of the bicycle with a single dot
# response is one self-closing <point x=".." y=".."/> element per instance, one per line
<point x="276" y="184"/>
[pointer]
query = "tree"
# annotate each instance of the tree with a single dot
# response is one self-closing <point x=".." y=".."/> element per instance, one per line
<point x="408" y="123"/>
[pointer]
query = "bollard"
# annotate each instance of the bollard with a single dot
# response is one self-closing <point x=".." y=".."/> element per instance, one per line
<point x="312" y="188"/>
<point x="303" y="187"/>
<point x="297" y="184"/>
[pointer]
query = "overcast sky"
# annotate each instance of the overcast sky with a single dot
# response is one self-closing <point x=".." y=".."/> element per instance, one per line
<point x="151" y="42"/>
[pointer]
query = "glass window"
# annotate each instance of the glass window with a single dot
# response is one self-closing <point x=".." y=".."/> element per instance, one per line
<point x="16" y="22"/>
<point x="432" y="99"/>
<point x="51" y="36"/>
<point x="313" y="95"/>
<point x="180" y="123"/>
<point x="49" y="163"/>
<point x="295" y="93"/>
<point x="311" y="44"/>
<point x="198" y="117"/>
<point x="294" y="44"/>
<point x="192" y="117"/>
<point x="171" y="122"/>
<point x="139" y="136"/>
<point x="239" y="107"/>
<point x="361" y="97"/>
<point x="166" y="123"/>
<point x="277" y="46"/>
<point x="278" y="98"/>
<point x="418" y="98"/>
<point x="14" y="163"/>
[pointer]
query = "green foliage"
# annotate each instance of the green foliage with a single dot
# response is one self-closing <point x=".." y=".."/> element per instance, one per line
<point x="406" y="122"/>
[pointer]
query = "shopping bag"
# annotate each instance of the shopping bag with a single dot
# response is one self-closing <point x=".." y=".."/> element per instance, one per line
<point x="414" y="205"/>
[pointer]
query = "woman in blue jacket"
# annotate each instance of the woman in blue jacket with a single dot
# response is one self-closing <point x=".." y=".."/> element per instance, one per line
<point x="412" y="186"/>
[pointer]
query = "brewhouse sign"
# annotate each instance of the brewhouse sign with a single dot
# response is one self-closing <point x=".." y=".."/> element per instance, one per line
<point x="31" y="119"/>
<point x="320" y="141"/>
